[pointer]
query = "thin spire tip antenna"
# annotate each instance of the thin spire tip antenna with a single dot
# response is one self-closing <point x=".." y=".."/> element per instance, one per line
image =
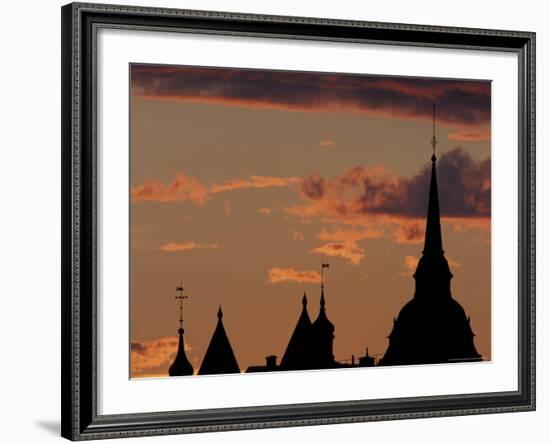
<point x="434" y="140"/>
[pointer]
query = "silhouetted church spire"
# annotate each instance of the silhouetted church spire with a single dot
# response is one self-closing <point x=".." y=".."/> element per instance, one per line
<point x="432" y="243"/>
<point x="180" y="366"/>
<point x="219" y="357"/>
<point x="432" y="275"/>
<point x="322" y="331"/>
<point x="432" y="327"/>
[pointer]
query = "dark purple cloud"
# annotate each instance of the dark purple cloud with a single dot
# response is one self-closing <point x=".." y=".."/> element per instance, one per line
<point x="463" y="185"/>
<point x="458" y="102"/>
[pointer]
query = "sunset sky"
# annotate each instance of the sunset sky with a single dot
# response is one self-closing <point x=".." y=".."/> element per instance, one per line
<point x="243" y="181"/>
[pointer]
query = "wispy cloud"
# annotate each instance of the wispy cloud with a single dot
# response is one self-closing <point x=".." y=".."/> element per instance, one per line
<point x="183" y="246"/>
<point x="346" y="250"/>
<point x="471" y="136"/>
<point x="184" y="188"/>
<point x="147" y="356"/>
<point x="277" y="275"/>
<point x="254" y="182"/>
<point x="349" y="235"/>
<point x="265" y="211"/>
<point x="343" y="243"/>
<point x="327" y="143"/>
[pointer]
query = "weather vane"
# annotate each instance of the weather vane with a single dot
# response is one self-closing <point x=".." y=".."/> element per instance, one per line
<point x="323" y="266"/>
<point x="181" y="297"/>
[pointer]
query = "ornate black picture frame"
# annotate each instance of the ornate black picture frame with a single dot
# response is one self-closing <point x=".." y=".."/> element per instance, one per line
<point x="80" y="418"/>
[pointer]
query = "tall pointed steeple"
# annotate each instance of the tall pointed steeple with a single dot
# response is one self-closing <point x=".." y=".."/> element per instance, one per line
<point x="219" y="357"/>
<point x="433" y="268"/>
<point x="180" y="366"/>
<point x="432" y="327"/>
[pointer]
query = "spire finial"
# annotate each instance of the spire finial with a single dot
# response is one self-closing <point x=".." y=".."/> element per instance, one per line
<point x="181" y="297"/>
<point x="433" y="243"/>
<point x="220" y="312"/>
<point x="434" y="140"/>
<point x="304" y="300"/>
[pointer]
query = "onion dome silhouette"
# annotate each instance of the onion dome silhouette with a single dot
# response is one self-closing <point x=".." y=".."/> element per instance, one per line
<point x="180" y="366"/>
<point x="432" y="327"/>
<point x="219" y="357"/>
<point x="297" y="354"/>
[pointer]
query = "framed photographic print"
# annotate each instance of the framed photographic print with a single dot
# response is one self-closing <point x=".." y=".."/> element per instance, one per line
<point x="280" y="221"/>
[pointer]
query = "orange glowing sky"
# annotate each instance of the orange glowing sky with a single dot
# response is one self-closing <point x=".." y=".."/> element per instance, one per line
<point x="243" y="180"/>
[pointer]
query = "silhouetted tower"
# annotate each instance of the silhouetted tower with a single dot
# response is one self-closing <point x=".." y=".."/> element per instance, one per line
<point x="219" y="357"/>
<point x="180" y="366"/>
<point x="432" y="327"/>
<point x="322" y="333"/>
<point x="298" y="352"/>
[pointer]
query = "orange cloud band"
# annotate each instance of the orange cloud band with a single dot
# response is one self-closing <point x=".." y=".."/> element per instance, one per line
<point x="277" y="275"/>
<point x="349" y="251"/>
<point x="148" y="356"/>
<point x="471" y="136"/>
<point x="182" y="246"/>
<point x="188" y="189"/>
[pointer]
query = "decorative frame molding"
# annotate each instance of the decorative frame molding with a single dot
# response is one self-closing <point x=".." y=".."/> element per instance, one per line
<point x="80" y="22"/>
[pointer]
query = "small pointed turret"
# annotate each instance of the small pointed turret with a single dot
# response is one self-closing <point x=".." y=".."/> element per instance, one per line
<point x="322" y="332"/>
<point x="297" y="353"/>
<point x="219" y="357"/>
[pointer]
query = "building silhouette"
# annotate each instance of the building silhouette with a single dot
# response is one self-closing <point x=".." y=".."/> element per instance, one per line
<point x="181" y="366"/>
<point x="298" y="351"/>
<point x="311" y="344"/>
<point x="219" y="357"/>
<point x="432" y="327"/>
<point x="270" y="365"/>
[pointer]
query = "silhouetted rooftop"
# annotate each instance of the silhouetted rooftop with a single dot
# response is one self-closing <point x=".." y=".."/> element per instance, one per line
<point x="219" y="357"/>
